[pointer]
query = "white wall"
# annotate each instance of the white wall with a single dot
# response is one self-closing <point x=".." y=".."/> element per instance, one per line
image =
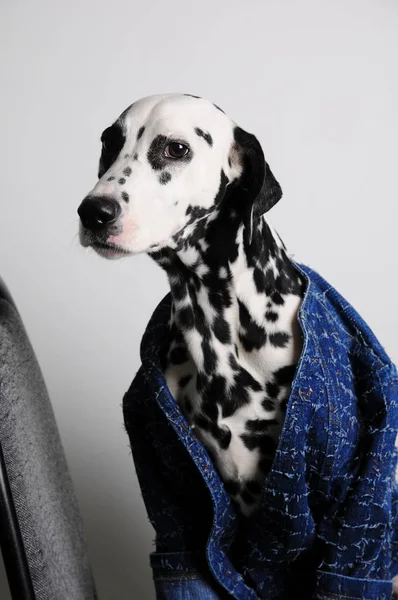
<point x="315" y="80"/>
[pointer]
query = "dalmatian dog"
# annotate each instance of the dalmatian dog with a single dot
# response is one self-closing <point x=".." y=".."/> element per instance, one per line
<point x="179" y="180"/>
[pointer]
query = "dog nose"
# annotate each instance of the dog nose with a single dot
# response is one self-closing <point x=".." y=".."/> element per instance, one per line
<point x="97" y="212"/>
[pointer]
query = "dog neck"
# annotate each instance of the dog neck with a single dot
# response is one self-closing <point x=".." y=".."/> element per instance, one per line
<point x="230" y="287"/>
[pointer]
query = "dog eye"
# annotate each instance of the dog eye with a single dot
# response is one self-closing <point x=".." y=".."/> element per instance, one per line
<point x="176" y="150"/>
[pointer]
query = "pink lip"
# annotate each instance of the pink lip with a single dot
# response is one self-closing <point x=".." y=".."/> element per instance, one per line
<point x="114" y="239"/>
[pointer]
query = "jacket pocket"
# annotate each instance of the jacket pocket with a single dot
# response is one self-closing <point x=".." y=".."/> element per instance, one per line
<point x="183" y="576"/>
<point x="331" y="586"/>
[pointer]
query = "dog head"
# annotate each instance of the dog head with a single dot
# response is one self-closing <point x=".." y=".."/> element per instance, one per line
<point x="168" y="162"/>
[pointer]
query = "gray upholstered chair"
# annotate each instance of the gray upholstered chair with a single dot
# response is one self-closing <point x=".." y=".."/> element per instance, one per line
<point x="41" y="534"/>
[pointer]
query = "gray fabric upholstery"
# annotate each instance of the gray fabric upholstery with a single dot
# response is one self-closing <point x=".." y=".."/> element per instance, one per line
<point x="47" y="510"/>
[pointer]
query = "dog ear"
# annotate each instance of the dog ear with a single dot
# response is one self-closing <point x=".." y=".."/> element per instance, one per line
<point x="257" y="186"/>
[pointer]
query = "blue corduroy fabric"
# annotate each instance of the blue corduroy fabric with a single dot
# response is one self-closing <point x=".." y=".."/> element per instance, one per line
<point x="327" y="525"/>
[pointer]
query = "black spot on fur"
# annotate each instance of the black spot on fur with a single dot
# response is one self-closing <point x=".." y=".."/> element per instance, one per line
<point x="262" y="441"/>
<point x="238" y="397"/>
<point x="155" y="152"/>
<point x="125" y="196"/>
<point x="113" y="140"/>
<point x="196" y="212"/>
<point x="253" y="335"/>
<point x="259" y="281"/>
<point x="140" y="132"/>
<point x="201" y="380"/>
<point x="215" y="387"/>
<point x="238" y="394"/>
<point x="245" y="379"/>
<point x="164" y="177"/>
<point x="206" y="136"/>
<point x="256" y="435"/>
<point x="259" y="425"/>
<point x="221" y="434"/>
<point x="201" y="324"/>
<point x="164" y="257"/>
<point x="220" y="298"/>
<point x="178" y="355"/>
<point x="210" y="358"/>
<point x="111" y="178"/>
<point x="179" y="289"/>
<point x="224" y="438"/>
<point x="222" y="330"/>
<point x="127" y="171"/>
<point x="269" y="282"/>
<point x="277" y="298"/>
<point x="233" y="362"/>
<point x="268" y="405"/>
<point x="135" y="157"/>
<point x="272" y="389"/>
<point x="271" y="316"/>
<point x="186" y="317"/>
<point x="122" y="181"/>
<point x="221" y="190"/>
<point x="285" y="375"/>
<point x="279" y="339"/>
<point x="184" y="380"/>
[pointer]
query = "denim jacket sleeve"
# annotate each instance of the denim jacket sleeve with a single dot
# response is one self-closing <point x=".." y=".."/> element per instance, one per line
<point x="359" y="528"/>
<point x="176" y="501"/>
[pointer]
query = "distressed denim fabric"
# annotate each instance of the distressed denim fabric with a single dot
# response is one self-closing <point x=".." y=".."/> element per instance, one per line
<point x="327" y="526"/>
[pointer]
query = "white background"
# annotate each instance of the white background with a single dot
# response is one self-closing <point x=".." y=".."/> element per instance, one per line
<point x="316" y="81"/>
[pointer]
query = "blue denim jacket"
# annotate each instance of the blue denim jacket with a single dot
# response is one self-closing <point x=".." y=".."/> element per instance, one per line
<point x="327" y="524"/>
